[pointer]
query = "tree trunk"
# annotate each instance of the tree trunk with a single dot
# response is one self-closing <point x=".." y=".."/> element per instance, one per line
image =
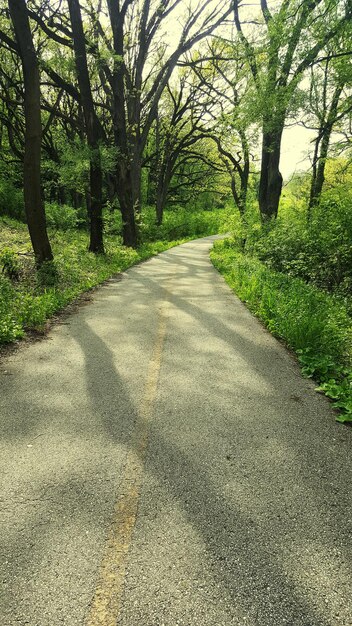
<point x="96" y="243"/>
<point x="111" y="186"/>
<point x="242" y="204"/>
<point x="319" y="182"/>
<point x="61" y="194"/>
<point x="314" y="177"/>
<point x="240" y="198"/>
<point x="234" y="191"/>
<point x="240" y="195"/>
<point x="154" y="166"/>
<point x="34" y="206"/>
<point x="165" y="175"/>
<point x="319" y="160"/>
<point x="124" y="186"/>
<point x="136" y="178"/>
<point x="151" y="184"/>
<point x="161" y="196"/>
<point x="92" y="126"/>
<point x="244" y="173"/>
<point x="77" y="199"/>
<point x="319" y="172"/>
<point x="124" y="193"/>
<point x="270" y="184"/>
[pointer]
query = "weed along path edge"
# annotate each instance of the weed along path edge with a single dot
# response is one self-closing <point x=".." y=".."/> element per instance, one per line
<point x="163" y="462"/>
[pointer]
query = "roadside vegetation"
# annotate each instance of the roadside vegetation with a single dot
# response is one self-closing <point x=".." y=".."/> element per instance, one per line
<point x="296" y="276"/>
<point x="117" y="141"/>
<point x="28" y="298"/>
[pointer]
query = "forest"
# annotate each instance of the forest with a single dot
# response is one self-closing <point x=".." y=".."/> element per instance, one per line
<point x="127" y="126"/>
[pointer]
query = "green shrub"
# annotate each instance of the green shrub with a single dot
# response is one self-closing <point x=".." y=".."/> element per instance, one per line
<point x="112" y="222"/>
<point x="9" y="263"/>
<point x="61" y="216"/>
<point x="314" y="324"/>
<point x="47" y="274"/>
<point x="29" y="302"/>
<point x="319" y="251"/>
<point x="181" y="222"/>
<point x="11" y="199"/>
<point x="10" y="326"/>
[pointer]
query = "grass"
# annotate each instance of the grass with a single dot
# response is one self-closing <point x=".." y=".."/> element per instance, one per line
<point x="313" y="323"/>
<point x="29" y="298"/>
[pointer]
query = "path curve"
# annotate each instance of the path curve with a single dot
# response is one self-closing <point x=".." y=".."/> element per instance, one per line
<point x="163" y="463"/>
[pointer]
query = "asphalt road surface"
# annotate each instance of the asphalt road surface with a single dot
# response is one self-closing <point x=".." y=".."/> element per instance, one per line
<point x="163" y="463"/>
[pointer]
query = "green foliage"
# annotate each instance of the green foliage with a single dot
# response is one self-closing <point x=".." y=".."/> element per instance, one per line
<point x="314" y="324"/>
<point x="181" y="222"/>
<point x="290" y="268"/>
<point x="11" y="198"/>
<point x="10" y="326"/>
<point x="61" y="216"/>
<point x="319" y="251"/>
<point x="74" y="164"/>
<point x="10" y="263"/>
<point x="112" y="222"/>
<point x="29" y="302"/>
<point x="47" y="275"/>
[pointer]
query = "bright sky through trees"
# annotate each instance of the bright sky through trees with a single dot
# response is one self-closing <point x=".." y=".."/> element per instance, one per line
<point x="296" y="143"/>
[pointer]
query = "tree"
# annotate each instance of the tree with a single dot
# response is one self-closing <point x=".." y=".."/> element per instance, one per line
<point x="137" y="81"/>
<point x="223" y="78"/>
<point x="34" y="206"/>
<point x="329" y="105"/>
<point x="93" y="129"/>
<point x="179" y="131"/>
<point x="130" y="67"/>
<point x="292" y="38"/>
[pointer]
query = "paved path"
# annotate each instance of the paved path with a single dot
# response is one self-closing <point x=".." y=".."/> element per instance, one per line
<point x="163" y="463"/>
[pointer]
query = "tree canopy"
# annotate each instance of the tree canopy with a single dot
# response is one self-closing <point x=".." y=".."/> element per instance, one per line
<point x="158" y="101"/>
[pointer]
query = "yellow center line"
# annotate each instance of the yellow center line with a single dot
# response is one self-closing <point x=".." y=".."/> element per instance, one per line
<point x="105" y="607"/>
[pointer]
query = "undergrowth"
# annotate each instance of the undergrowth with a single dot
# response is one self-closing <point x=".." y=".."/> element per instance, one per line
<point x="28" y="298"/>
<point x="313" y="323"/>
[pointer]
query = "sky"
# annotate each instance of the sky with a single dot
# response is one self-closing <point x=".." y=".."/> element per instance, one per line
<point x="295" y="148"/>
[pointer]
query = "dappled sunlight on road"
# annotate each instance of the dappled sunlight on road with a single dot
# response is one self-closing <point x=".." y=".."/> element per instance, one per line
<point x="240" y="508"/>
